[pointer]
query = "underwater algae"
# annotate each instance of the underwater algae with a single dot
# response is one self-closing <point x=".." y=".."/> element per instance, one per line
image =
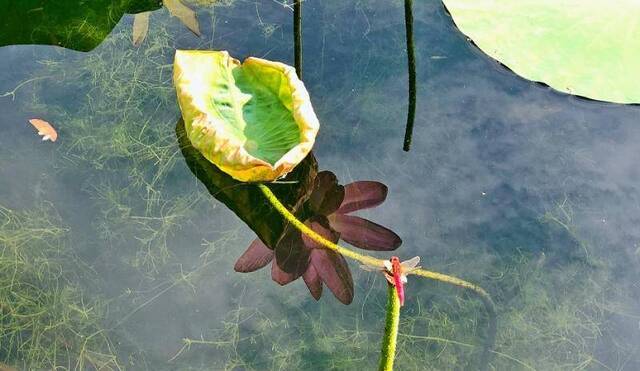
<point x="46" y="320"/>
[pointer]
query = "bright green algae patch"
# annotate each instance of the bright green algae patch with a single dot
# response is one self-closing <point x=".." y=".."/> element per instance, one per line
<point x="589" y="48"/>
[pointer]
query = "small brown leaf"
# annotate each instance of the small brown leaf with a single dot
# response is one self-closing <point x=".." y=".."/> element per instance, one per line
<point x="140" y="27"/>
<point x="185" y="14"/>
<point x="45" y="129"/>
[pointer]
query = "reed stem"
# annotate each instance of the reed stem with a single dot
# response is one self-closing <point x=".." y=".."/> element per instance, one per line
<point x="411" y="65"/>
<point x="297" y="36"/>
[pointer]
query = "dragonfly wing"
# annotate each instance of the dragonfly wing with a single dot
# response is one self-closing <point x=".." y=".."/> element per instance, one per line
<point x="411" y="263"/>
<point x="408" y="266"/>
<point x="370" y="268"/>
<point x="388" y="266"/>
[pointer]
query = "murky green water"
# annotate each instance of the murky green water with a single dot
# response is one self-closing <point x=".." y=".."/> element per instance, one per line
<point x="115" y="256"/>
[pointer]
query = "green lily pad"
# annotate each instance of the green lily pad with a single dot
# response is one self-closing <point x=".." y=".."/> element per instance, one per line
<point x="253" y="120"/>
<point x="589" y="48"/>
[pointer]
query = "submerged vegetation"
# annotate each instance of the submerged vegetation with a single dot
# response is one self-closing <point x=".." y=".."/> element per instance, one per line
<point x="46" y="319"/>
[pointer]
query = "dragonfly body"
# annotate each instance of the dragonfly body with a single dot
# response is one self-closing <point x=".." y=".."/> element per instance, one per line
<point x="396" y="272"/>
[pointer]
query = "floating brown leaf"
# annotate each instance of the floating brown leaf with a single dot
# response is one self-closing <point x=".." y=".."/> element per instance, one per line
<point x="140" y="27"/>
<point x="45" y="129"/>
<point x="185" y="14"/>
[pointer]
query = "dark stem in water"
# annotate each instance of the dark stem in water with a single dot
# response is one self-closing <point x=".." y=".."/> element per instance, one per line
<point x="411" y="62"/>
<point x="297" y="36"/>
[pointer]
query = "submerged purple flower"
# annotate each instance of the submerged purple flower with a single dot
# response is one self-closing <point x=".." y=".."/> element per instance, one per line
<point x="326" y="212"/>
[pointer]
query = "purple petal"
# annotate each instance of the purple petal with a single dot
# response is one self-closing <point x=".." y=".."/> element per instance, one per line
<point x="362" y="195"/>
<point x="257" y="256"/>
<point x="364" y="234"/>
<point x="334" y="271"/>
<point x="291" y="254"/>
<point x="320" y="225"/>
<point x="327" y="194"/>
<point x="314" y="283"/>
<point x="281" y="277"/>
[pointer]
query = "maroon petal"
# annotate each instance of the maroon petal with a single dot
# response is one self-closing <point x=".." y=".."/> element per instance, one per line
<point x="257" y="256"/>
<point x="327" y="194"/>
<point x="334" y="271"/>
<point x="314" y="283"/>
<point x="280" y="276"/>
<point x="362" y="195"/>
<point x="364" y="234"/>
<point x="320" y="225"/>
<point x="291" y="254"/>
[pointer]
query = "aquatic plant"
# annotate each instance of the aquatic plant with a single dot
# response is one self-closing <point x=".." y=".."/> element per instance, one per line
<point x="297" y="255"/>
<point x="228" y="110"/>
<point x="308" y="249"/>
<point x="385" y="363"/>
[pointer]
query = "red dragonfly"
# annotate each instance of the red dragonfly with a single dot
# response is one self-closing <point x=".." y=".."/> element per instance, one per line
<point x="396" y="272"/>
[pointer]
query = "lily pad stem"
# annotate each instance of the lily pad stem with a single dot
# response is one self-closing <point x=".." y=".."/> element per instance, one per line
<point x="369" y="260"/>
<point x="411" y="65"/>
<point x="392" y="322"/>
<point x="297" y="36"/>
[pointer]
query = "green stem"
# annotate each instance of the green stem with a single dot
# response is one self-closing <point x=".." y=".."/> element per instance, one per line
<point x="388" y="353"/>
<point x="369" y="260"/>
<point x="411" y="66"/>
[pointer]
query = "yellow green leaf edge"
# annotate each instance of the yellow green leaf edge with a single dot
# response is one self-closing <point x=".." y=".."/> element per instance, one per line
<point x="254" y="120"/>
<point x="589" y="48"/>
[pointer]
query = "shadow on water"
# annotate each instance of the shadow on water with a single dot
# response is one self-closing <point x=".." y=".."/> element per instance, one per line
<point x="245" y="199"/>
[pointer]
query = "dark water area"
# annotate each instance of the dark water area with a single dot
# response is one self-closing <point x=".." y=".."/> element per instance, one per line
<point x="117" y="257"/>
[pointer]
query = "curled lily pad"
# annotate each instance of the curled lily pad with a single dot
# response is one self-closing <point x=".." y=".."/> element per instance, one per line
<point x="589" y="48"/>
<point x="253" y="120"/>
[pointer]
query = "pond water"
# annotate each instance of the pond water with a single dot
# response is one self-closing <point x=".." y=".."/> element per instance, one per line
<point x="115" y="256"/>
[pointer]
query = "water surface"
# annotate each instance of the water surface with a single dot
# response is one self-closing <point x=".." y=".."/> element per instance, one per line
<point x="530" y="193"/>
